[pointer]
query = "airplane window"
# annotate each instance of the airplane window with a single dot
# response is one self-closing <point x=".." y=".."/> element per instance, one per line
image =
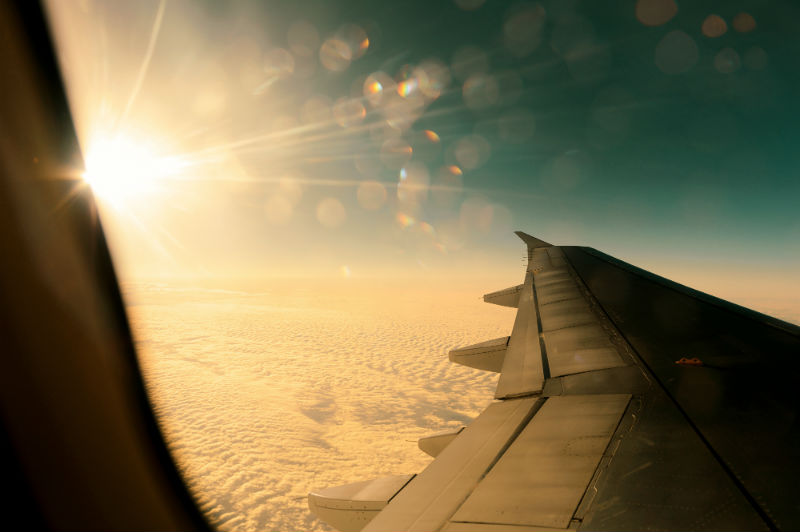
<point x="305" y="201"/>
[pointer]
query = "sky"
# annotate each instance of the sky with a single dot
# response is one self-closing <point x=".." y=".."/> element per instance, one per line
<point x="408" y="139"/>
<point x="305" y="200"/>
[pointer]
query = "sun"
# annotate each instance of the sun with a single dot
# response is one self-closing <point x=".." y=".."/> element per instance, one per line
<point x="119" y="169"/>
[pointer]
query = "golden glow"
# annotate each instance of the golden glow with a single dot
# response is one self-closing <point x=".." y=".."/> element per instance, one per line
<point x="405" y="220"/>
<point x="119" y="169"/>
<point x="406" y="87"/>
<point x="431" y="135"/>
<point x="455" y="170"/>
<point x="373" y="87"/>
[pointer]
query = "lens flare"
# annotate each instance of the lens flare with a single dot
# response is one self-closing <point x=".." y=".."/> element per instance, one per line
<point x="405" y="220"/>
<point x="676" y="53"/>
<point x="431" y="135"/>
<point x="331" y="213"/>
<point x="376" y="86"/>
<point x="714" y="26"/>
<point x="348" y="112"/>
<point x="278" y="63"/>
<point x="355" y="38"/>
<point x="655" y="12"/>
<point x="434" y="77"/>
<point x="335" y="55"/>
<point x="744" y="23"/>
<point x="427" y="228"/>
<point x="455" y="170"/>
<point x="395" y="152"/>
<point x="371" y="195"/>
<point x="406" y="87"/>
<point x="727" y="61"/>
<point x="447" y="187"/>
<point x="373" y="87"/>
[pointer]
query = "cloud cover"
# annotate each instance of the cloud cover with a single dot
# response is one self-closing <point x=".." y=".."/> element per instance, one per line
<point x="266" y="394"/>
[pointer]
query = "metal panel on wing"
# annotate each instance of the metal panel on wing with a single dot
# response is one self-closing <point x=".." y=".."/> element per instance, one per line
<point x="542" y="477"/>
<point x="430" y="499"/>
<point x="582" y="348"/>
<point x="522" y="371"/>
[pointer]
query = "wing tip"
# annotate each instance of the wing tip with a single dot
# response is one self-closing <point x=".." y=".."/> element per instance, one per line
<point x="532" y="241"/>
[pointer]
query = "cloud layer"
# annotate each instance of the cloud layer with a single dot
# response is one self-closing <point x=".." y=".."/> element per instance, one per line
<point x="267" y="394"/>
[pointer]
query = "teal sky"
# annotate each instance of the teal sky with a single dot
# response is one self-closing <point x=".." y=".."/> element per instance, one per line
<point x="645" y="129"/>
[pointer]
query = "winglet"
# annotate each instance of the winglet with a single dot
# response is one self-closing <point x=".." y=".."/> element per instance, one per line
<point x="532" y="242"/>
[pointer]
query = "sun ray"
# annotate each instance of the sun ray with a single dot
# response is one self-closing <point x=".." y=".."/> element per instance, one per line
<point x="151" y="45"/>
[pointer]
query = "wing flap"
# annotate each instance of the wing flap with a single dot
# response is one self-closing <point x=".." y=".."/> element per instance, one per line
<point x="578" y="349"/>
<point x="625" y="379"/>
<point x="435" y="494"/>
<point x="556" y="331"/>
<point x="562" y="290"/>
<point x="542" y="477"/>
<point x="522" y="371"/>
<point x="563" y="314"/>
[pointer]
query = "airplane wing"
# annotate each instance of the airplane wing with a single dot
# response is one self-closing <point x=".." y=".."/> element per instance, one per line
<point x="625" y="402"/>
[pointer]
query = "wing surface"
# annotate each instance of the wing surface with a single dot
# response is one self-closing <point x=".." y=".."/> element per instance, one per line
<point x="625" y="402"/>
